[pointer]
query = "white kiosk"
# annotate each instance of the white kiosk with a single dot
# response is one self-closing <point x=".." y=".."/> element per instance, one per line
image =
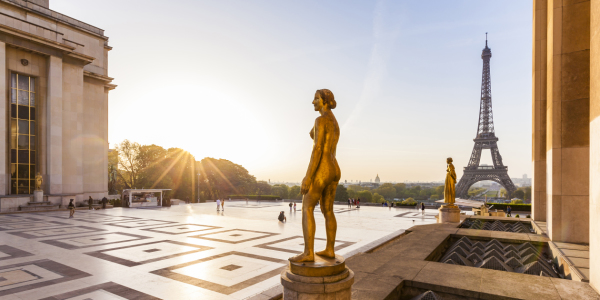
<point x="142" y="197"/>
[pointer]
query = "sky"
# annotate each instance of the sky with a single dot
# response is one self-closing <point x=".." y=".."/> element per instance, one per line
<point x="235" y="80"/>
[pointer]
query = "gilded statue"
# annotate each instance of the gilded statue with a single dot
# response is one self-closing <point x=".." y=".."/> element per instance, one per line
<point x="38" y="182"/>
<point x="450" y="186"/>
<point x="322" y="177"/>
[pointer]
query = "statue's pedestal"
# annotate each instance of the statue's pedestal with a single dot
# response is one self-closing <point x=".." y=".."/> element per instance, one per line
<point x="325" y="278"/>
<point x="38" y="196"/>
<point x="449" y="213"/>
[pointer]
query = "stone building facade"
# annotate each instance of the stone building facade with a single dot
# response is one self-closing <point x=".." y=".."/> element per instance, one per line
<point x="54" y="89"/>
<point x="566" y="123"/>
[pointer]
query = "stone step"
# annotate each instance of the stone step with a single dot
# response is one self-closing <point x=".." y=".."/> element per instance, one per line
<point x="39" y="203"/>
<point x="39" y="207"/>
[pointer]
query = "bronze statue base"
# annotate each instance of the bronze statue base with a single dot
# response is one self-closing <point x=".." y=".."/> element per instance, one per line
<point x="324" y="278"/>
<point x="322" y="266"/>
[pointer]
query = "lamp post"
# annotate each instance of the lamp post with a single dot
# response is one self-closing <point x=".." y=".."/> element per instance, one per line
<point x="198" y="183"/>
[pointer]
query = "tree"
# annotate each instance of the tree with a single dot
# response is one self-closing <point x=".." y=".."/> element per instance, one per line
<point x="263" y="188"/>
<point x="280" y="190"/>
<point x="295" y="193"/>
<point x="341" y="194"/>
<point x="352" y="193"/>
<point x="409" y="201"/>
<point x="365" y="196"/>
<point x="128" y="162"/>
<point x="356" y="188"/>
<point x="220" y="177"/>
<point x="519" y="194"/>
<point x="400" y="190"/>
<point x="377" y="198"/>
<point x="386" y="190"/>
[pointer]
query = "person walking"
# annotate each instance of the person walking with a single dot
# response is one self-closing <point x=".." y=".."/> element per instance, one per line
<point x="218" y="204"/>
<point x="223" y="204"/>
<point x="358" y="203"/>
<point x="291" y="206"/>
<point x="104" y="201"/>
<point x="294" y="206"/>
<point x="349" y="203"/>
<point x="71" y="208"/>
<point x="508" y="211"/>
<point x="422" y="208"/>
<point x="90" y="203"/>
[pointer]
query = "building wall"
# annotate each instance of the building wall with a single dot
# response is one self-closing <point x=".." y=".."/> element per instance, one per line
<point x="539" y="79"/>
<point x="594" y="216"/>
<point x="572" y="123"/>
<point x="72" y="129"/>
<point x="567" y="123"/>
<point x="69" y="58"/>
<point x="95" y="136"/>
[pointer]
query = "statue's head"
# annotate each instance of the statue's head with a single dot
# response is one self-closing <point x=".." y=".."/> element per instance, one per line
<point x="449" y="160"/>
<point x="324" y="98"/>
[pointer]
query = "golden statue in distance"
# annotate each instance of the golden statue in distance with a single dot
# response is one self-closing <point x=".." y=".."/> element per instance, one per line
<point x="38" y="182"/>
<point x="321" y="180"/>
<point x="450" y="186"/>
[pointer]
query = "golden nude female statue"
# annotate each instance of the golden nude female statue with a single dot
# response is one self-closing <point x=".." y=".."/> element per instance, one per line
<point x="321" y="180"/>
<point x="450" y="186"/>
<point x="38" y="182"/>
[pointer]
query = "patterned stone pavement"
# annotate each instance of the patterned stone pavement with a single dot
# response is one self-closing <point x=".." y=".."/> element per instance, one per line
<point x="182" y="252"/>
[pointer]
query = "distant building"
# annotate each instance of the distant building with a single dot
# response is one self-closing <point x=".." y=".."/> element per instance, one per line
<point x="54" y="105"/>
<point x="377" y="180"/>
<point x="522" y="182"/>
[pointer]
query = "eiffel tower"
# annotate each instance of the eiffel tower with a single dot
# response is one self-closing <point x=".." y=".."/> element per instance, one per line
<point x="485" y="139"/>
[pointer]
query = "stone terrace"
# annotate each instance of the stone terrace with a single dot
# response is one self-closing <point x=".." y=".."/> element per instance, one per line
<point x="182" y="252"/>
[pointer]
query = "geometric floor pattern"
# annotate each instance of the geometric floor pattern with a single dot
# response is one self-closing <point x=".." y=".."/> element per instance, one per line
<point x="182" y="252"/>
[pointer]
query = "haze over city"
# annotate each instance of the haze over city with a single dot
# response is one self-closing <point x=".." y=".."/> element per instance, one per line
<point x="237" y="79"/>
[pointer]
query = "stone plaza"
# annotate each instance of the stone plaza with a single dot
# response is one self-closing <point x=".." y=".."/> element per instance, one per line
<point x="182" y="252"/>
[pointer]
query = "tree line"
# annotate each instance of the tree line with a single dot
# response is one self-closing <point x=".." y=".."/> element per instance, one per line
<point x="132" y="166"/>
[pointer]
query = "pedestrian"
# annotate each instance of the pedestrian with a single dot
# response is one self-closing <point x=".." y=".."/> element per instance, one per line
<point x="422" y="208"/>
<point x="71" y="208"/>
<point x="294" y="206"/>
<point x="218" y="204"/>
<point x="358" y="203"/>
<point x="90" y="203"/>
<point x="353" y="202"/>
<point x="223" y="204"/>
<point x="291" y="206"/>
<point x="282" y="217"/>
<point x="104" y="201"/>
<point x="508" y="210"/>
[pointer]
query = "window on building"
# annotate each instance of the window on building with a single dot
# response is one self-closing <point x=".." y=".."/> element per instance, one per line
<point x="22" y="134"/>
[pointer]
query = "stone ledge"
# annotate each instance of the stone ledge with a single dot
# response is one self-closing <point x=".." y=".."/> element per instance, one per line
<point x="398" y="270"/>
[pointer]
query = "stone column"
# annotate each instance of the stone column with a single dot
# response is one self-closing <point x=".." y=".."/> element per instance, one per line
<point x="595" y="146"/>
<point x="54" y="126"/>
<point x="538" y="190"/>
<point x="567" y="131"/>
<point x="4" y="164"/>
